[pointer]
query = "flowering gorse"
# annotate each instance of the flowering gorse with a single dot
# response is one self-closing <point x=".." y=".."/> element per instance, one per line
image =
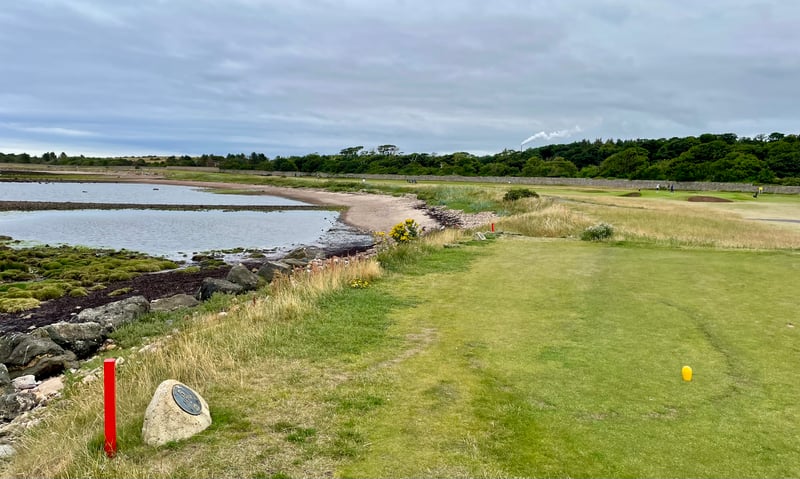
<point x="406" y="231"/>
<point x="359" y="284"/>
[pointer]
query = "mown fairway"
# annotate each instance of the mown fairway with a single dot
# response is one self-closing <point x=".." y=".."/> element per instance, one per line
<point x="554" y="358"/>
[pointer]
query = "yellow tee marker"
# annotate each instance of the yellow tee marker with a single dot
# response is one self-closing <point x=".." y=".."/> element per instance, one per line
<point x="686" y="373"/>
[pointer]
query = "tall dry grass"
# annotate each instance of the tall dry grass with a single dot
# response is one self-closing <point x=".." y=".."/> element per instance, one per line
<point x="211" y="353"/>
<point x="687" y="224"/>
<point x="544" y="218"/>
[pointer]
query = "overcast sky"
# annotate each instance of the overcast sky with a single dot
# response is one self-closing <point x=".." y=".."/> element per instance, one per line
<point x="100" y="77"/>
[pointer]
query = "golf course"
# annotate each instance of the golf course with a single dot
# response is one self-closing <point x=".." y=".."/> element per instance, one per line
<point x="517" y="349"/>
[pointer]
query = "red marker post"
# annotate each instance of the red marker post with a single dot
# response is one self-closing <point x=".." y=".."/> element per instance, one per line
<point x="110" y="406"/>
<point x="492" y="227"/>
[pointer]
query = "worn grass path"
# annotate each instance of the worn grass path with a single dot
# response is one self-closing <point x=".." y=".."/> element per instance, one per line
<point x="563" y="358"/>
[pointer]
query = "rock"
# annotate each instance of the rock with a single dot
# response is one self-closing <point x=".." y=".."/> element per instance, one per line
<point x="28" y="354"/>
<point x="165" y="420"/>
<point x="14" y="404"/>
<point x="214" y="285"/>
<point x="49" y="388"/>
<point x="172" y="303"/>
<point x="272" y="268"/>
<point x="27" y="381"/>
<point x="242" y="276"/>
<point x="306" y="253"/>
<point x="6" y="451"/>
<point x="113" y="315"/>
<point x="296" y="263"/>
<point x="83" y="339"/>
<point x="5" y="379"/>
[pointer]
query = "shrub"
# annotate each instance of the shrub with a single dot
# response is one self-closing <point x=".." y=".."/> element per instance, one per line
<point x="405" y="231"/>
<point x="515" y="194"/>
<point x="598" y="232"/>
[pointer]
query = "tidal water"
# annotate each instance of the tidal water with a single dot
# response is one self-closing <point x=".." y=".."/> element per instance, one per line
<point x="176" y="235"/>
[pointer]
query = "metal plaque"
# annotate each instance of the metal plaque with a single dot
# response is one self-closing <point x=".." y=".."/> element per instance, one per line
<point x="186" y="399"/>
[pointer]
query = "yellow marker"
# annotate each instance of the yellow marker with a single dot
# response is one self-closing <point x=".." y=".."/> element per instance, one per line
<point x="686" y="372"/>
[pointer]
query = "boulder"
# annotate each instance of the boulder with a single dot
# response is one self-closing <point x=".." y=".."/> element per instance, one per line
<point x="172" y="303"/>
<point x="5" y="379"/>
<point x="28" y="354"/>
<point x="306" y="253"/>
<point x="48" y="389"/>
<point x="296" y="263"/>
<point x="6" y="451"/>
<point x="214" y="285"/>
<point x="113" y="315"/>
<point x="27" y="381"/>
<point x="242" y="276"/>
<point x="272" y="268"/>
<point x="176" y="412"/>
<point x="83" y="339"/>
<point x="14" y="404"/>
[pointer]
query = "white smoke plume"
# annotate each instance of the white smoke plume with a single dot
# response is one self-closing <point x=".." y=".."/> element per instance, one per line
<point x="552" y="134"/>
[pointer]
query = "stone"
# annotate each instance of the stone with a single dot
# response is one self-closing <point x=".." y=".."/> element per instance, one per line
<point x="27" y="381"/>
<point x="30" y="354"/>
<point x="14" y="404"/>
<point x="176" y="412"/>
<point x="113" y="315"/>
<point x="296" y="263"/>
<point x="270" y="269"/>
<point x="172" y="303"/>
<point x="5" y="379"/>
<point x="7" y="451"/>
<point x="49" y="388"/>
<point x="83" y="339"/>
<point x="242" y="276"/>
<point x="214" y="285"/>
<point x="306" y="253"/>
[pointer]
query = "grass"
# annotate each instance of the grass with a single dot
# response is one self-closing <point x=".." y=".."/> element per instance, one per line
<point x="532" y="354"/>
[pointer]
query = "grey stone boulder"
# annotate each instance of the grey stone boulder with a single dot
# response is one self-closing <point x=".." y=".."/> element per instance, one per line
<point x="113" y="315"/>
<point x="296" y="263"/>
<point x="214" y="285"/>
<point x="270" y="269"/>
<point x="83" y="339"/>
<point x="242" y="276"/>
<point x="306" y="253"/>
<point x="5" y="379"/>
<point x="27" y="381"/>
<point x="166" y="420"/>
<point x="14" y="404"/>
<point x="29" y="354"/>
<point x="172" y="303"/>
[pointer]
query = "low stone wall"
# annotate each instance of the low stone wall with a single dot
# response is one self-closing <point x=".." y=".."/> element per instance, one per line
<point x="578" y="182"/>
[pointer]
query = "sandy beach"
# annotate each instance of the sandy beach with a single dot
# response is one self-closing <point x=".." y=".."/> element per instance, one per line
<point x="365" y="211"/>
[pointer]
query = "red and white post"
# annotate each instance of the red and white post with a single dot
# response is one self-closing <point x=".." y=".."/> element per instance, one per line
<point x="110" y="406"/>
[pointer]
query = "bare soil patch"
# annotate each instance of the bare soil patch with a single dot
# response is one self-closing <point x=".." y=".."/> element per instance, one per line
<point x="708" y="199"/>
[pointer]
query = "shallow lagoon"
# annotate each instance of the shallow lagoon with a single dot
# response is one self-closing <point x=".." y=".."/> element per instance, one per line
<point x="173" y="234"/>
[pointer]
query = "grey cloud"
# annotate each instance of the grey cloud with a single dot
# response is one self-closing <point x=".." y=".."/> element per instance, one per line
<point x="297" y="77"/>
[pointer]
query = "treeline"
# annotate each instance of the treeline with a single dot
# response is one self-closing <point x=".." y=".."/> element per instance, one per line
<point x="709" y="157"/>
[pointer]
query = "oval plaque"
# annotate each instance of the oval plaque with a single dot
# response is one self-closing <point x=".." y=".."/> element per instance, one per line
<point x="186" y="399"/>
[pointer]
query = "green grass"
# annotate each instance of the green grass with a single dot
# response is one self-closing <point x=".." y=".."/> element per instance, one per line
<point x="563" y="359"/>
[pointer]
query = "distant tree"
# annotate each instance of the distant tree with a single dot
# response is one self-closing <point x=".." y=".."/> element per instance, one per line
<point x="625" y="163"/>
<point x="351" y="151"/>
<point x="388" y="150"/>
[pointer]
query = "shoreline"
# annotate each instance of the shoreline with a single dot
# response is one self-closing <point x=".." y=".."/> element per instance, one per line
<point x="364" y="211"/>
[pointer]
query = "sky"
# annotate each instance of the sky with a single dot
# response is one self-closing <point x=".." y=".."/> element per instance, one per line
<point x="162" y="77"/>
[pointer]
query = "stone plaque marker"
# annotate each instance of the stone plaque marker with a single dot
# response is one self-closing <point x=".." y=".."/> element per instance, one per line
<point x="186" y="399"/>
<point x="176" y="412"/>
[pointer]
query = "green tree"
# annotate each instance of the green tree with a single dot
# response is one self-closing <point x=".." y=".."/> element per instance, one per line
<point x="625" y="163"/>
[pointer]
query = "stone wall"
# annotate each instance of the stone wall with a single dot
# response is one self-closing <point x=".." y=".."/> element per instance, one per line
<point x="579" y="182"/>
